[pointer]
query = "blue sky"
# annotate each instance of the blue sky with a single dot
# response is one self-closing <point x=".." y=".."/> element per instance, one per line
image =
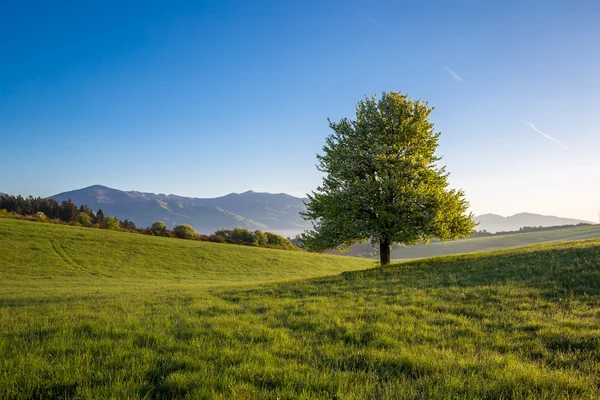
<point x="206" y="98"/>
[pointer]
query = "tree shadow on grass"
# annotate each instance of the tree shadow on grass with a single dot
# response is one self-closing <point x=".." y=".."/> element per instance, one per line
<point x="572" y="270"/>
<point x="554" y="271"/>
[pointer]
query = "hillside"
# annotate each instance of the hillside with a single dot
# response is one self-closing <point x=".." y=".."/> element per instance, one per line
<point x="95" y="314"/>
<point x="69" y="256"/>
<point x="278" y="213"/>
<point x="495" y="242"/>
<point x="478" y="244"/>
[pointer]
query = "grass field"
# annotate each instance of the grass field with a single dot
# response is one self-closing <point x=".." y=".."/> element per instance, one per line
<point x="96" y="314"/>
<point x="495" y="242"/>
<point x="46" y="259"/>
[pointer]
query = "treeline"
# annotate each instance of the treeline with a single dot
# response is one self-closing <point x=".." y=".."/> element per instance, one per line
<point x="256" y="238"/>
<point x="240" y="236"/>
<point x="50" y="211"/>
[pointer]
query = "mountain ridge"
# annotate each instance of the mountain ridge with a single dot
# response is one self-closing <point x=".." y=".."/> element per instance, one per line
<point x="276" y="212"/>
<point x="497" y="223"/>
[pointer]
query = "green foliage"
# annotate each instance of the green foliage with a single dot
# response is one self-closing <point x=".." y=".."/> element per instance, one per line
<point x="212" y="238"/>
<point x="100" y="217"/>
<point x="185" y="231"/>
<point x="257" y="238"/>
<point x="237" y="236"/>
<point x="67" y="211"/>
<point x="277" y="240"/>
<point x="41" y="217"/>
<point x="30" y="205"/>
<point x="158" y="228"/>
<point x="110" y="222"/>
<point x="242" y="236"/>
<point x="101" y="314"/>
<point x="382" y="181"/>
<point x="84" y="219"/>
<point x="129" y="225"/>
<point x="260" y="238"/>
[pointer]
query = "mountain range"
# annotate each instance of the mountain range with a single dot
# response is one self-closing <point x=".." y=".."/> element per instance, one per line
<point x="497" y="223"/>
<point x="278" y="213"/>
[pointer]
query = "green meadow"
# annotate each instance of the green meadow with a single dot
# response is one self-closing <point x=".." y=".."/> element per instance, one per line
<point x="88" y="314"/>
<point x="436" y="249"/>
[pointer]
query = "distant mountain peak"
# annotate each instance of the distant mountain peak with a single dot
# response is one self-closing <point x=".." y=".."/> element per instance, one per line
<point x="490" y="215"/>
<point x="96" y="187"/>
<point x="497" y="223"/>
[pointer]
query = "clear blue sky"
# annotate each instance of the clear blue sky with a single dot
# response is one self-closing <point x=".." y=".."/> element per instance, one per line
<point x="206" y="98"/>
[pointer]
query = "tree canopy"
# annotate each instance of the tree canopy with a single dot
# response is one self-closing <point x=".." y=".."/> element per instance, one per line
<point x="185" y="231"/>
<point x="383" y="182"/>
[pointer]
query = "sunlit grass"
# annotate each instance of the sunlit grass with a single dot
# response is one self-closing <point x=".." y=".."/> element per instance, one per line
<point x="511" y="324"/>
<point x="496" y="242"/>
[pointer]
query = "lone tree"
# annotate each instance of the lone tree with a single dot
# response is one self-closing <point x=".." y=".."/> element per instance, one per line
<point x="383" y="182"/>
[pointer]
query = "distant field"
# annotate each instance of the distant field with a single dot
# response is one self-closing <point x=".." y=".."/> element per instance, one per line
<point x="495" y="242"/>
<point x="95" y="314"/>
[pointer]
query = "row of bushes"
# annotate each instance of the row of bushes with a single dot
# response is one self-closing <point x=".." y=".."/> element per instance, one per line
<point x="233" y="236"/>
<point x="256" y="238"/>
<point x="183" y="231"/>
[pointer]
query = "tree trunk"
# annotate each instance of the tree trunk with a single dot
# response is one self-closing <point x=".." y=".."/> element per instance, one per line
<point x="385" y="252"/>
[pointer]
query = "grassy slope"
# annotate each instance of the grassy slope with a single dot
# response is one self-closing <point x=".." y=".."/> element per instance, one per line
<point x="52" y="257"/>
<point x="511" y="324"/>
<point x="495" y="242"/>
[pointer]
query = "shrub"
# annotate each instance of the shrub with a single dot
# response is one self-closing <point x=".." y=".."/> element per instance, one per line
<point x="40" y="216"/>
<point x="158" y="228"/>
<point x="110" y="222"/>
<point x="145" y="231"/>
<point x="260" y="238"/>
<point x="84" y="219"/>
<point x="185" y="231"/>
<point x="276" y="240"/>
<point x="216" y="239"/>
<point x="243" y="236"/>
<point x="237" y="236"/>
<point x="212" y="238"/>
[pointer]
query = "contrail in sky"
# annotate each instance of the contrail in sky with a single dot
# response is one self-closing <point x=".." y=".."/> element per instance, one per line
<point x="454" y="74"/>
<point x="546" y="135"/>
<point x="373" y="20"/>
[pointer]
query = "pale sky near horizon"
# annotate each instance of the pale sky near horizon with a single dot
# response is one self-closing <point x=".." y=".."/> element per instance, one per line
<point x="206" y="98"/>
